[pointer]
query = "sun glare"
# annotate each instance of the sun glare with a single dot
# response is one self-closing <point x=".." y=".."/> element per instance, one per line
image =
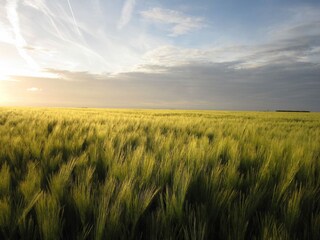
<point x="5" y="70"/>
<point x="3" y="77"/>
<point x="3" y="93"/>
<point x="3" y="97"/>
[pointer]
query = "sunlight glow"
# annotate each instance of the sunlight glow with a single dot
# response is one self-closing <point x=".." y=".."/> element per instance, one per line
<point x="3" y="77"/>
<point x="3" y="97"/>
<point x="3" y="71"/>
<point x="7" y="72"/>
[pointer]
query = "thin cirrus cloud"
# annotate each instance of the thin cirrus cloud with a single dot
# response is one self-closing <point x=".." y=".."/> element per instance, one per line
<point x="74" y="18"/>
<point x="56" y="29"/>
<point x="126" y="13"/>
<point x="19" y="40"/>
<point x="34" y="89"/>
<point x="179" y="22"/>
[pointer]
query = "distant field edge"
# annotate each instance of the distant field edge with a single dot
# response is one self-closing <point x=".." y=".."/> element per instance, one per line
<point x="301" y="111"/>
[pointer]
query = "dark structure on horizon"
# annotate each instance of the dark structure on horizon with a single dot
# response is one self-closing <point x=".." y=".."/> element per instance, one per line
<point x="302" y="111"/>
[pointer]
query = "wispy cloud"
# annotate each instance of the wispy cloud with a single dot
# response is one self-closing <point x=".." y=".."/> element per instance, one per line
<point x="34" y="89"/>
<point x="6" y="35"/>
<point x="180" y="23"/>
<point x="126" y="13"/>
<point x="295" y="48"/>
<point x="75" y="76"/>
<point x="74" y="19"/>
<point x="67" y="33"/>
<point x="41" y="7"/>
<point x="20" y="42"/>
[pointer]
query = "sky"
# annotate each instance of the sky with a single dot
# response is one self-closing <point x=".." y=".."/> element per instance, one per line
<point x="204" y="54"/>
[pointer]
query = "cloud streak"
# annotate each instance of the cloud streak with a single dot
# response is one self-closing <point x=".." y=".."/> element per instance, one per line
<point x="63" y="27"/>
<point x="126" y="13"/>
<point x="74" y="19"/>
<point x="34" y="89"/>
<point x="180" y="23"/>
<point x="20" y="42"/>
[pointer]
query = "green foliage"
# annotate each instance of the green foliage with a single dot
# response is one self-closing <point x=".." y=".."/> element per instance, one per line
<point x="156" y="174"/>
<point x="5" y="180"/>
<point x="48" y="211"/>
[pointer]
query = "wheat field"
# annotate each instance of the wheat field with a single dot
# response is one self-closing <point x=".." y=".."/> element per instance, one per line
<point x="158" y="174"/>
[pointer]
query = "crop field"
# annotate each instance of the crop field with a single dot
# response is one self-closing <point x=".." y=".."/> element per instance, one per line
<point x="158" y="174"/>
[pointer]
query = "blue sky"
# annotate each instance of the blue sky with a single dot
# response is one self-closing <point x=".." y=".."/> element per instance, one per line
<point x="250" y="55"/>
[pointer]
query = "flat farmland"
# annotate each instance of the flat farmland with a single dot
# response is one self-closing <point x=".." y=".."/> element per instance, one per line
<point x="158" y="174"/>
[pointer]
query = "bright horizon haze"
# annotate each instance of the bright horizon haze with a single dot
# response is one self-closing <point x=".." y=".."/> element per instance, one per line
<point x="240" y="55"/>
